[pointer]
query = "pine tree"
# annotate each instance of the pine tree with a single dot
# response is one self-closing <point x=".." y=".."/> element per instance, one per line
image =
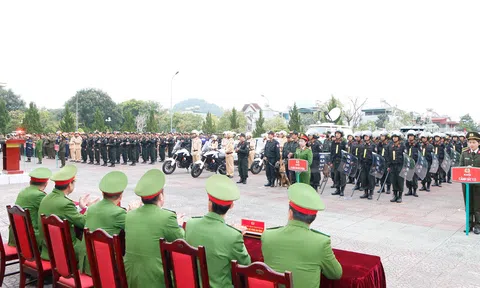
<point x="295" y="122"/>
<point x="152" y="124"/>
<point x="129" y="122"/>
<point x="31" y="121"/>
<point x="259" y="129"/>
<point x="68" y="123"/>
<point x="98" y="121"/>
<point x="233" y="119"/>
<point x="208" y="126"/>
<point x="4" y="117"/>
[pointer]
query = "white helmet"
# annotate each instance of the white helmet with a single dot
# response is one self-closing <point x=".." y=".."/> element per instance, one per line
<point x="195" y="132"/>
<point x="248" y="134"/>
<point x="214" y="137"/>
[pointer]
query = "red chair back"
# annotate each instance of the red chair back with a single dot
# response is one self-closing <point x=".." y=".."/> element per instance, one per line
<point x="259" y="275"/>
<point x="60" y="248"/>
<point x="24" y="235"/>
<point x="183" y="260"/>
<point x="105" y="258"/>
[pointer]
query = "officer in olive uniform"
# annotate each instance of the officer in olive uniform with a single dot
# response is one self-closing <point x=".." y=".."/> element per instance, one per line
<point x="336" y="157"/>
<point x="304" y="153"/>
<point x="106" y="214"/>
<point x="31" y="197"/>
<point x="426" y="149"/>
<point x="281" y="249"/>
<point x="395" y="165"/>
<point x="222" y="242"/>
<point x="272" y="156"/>
<point x="62" y="150"/>
<point x="144" y="227"/>
<point x="59" y="204"/>
<point x="170" y="144"/>
<point x="365" y="159"/>
<point x="242" y="152"/>
<point x="39" y="148"/>
<point x="471" y="157"/>
<point x="412" y="148"/>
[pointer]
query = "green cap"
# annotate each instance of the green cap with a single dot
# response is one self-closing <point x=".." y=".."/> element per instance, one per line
<point x="305" y="199"/>
<point x="40" y="174"/>
<point x="473" y="136"/>
<point x="65" y="175"/>
<point x="150" y="184"/>
<point x="114" y="182"/>
<point x="221" y="190"/>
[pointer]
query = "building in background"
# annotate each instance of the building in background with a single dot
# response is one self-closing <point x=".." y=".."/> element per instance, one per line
<point x="252" y="113"/>
<point x="371" y="112"/>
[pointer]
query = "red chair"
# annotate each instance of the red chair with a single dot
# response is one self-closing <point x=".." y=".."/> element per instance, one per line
<point x="7" y="256"/>
<point x="30" y="261"/>
<point x="105" y="257"/>
<point x="62" y="255"/>
<point x="182" y="259"/>
<point x="259" y="275"/>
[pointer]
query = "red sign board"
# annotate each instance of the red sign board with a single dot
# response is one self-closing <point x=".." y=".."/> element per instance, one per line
<point x="56" y="147"/>
<point x="297" y="165"/>
<point x="466" y="174"/>
<point x="254" y="226"/>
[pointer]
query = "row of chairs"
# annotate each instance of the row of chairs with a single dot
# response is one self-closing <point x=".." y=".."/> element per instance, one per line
<point x="185" y="266"/>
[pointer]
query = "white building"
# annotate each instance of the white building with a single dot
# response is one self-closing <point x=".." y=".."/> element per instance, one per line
<point x="252" y="113"/>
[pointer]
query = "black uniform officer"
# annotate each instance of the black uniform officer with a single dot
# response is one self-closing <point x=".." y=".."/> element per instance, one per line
<point x="118" y="150"/>
<point x="315" y="176"/>
<point x="170" y="145"/>
<point x="242" y="151"/>
<point x="103" y="150"/>
<point x="411" y="148"/>
<point x="98" y="148"/>
<point x="336" y="148"/>
<point x="289" y="149"/>
<point x="382" y="148"/>
<point x="112" y="150"/>
<point x="144" y="145"/>
<point x="438" y="149"/>
<point x="357" y="150"/>
<point x="395" y="165"/>
<point x="153" y="149"/>
<point x="91" y="149"/>
<point x="132" y="149"/>
<point x="161" y="148"/>
<point x="366" y="160"/>
<point x="124" y="149"/>
<point x="272" y="155"/>
<point x="84" y="147"/>
<point x="426" y="149"/>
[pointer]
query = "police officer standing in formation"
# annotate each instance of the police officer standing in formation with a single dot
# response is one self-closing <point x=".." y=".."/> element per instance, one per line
<point x="336" y="157"/>
<point x="382" y="148"/>
<point x="438" y="149"/>
<point x="366" y="158"/>
<point x="426" y="149"/>
<point x="272" y="156"/>
<point x="288" y="152"/>
<point x="412" y="148"/>
<point x="315" y="176"/>
<point x="242" y="152"/>
<point x="395" y="165"/>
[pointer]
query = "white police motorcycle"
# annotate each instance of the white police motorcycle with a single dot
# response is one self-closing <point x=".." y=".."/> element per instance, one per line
<point x="181" y="158"/>
<point x="212" y="160"/>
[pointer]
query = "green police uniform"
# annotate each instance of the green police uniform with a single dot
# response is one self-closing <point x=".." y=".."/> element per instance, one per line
<point x="30" y="198"/>
<point x="297" y="248"/>
<point x="143" y="229"/>
<point x="472" y="158"/>
<point x="39" y="150"/>
<point x="222" y="242"/>
<point x="104" y="214"/>
<point x="58" y="204"/>
<point x="305" y="154"/>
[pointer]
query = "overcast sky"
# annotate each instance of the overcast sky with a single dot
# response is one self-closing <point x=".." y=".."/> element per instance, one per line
<point x="415" y="54"/>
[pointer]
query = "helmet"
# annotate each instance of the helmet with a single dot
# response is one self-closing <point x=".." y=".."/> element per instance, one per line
<point x="214" y="137"/>
<point x="248" y="134"/>
<point x="376" y="134"/>
<point x="357" y="134"/>
<point x="436" y="134"/>
<point x="396" y="133"/>
<point x="384" y="133"/>
<point x="349" y="134"/>
<point x="283" y="132"/>
<point x="424" y="135"/>
<point x="195" y="132"/>
<point x="339" y="131"/>
<point x="411" y="132"/>
<point x="367" y="133"/>
<point x="454" y="134"/>
<point x="442" y="135"/>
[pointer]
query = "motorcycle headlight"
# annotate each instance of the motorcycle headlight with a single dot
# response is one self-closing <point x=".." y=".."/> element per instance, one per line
<point x="257" y="155"/>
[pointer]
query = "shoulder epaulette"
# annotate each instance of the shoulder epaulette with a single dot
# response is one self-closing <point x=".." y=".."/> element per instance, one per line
<point x="169" y="210"/>
<point x="465" y="149"/>
<point x="272" y="228"/>
<point x="313" y="230"/>
<point x="234" y="228"/>
<point x="196" y="217"/>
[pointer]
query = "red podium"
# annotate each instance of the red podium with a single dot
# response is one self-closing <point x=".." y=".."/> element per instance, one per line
<point x="11" y="156"/>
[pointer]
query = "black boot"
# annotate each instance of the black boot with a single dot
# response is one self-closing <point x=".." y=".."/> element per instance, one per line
<point x="395" y="197"/>
<point x="341" y="191"/>
<point x="268" y="184"/>
<point x="399" y="198"/>
<point x="423" y="188"/>
<point x="428" y="187"/>
<point x="435" y="184"/>
<point x="133" y="164"/>
<point x="112" y="165"/>
<point x="388" y="188"/>
<point x="415" y="193"/>
<point x="240" y="181"/>
<point x="244" y="181"/>
<point x="365" y="195"/>
<point x="337" y="191"/>
<point x="356" y="187"/>
<point x="104" y="164"/>
<point x="409" y="192"/>
<point x="449" y="181"/>
<point x="370" y="194"/>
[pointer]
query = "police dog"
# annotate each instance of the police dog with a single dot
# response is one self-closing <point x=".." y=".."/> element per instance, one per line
<point x="281" y="174"/>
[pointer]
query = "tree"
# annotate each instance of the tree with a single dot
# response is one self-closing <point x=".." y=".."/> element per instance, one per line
<point x="208" y="126"/>
<point x="276" y="124"/>
<point x="141" y="122"/>
<point x="16" y="118"/>
<point x="308" y="119"/>
<point x="31" y="120"/>
<point x="186" y="122"/>
<point x="128" y="122"/>
<point x="48" y="121"/>
<point x="12" y="101"/>
<point x="67" y="124"/>
<point x="369" y="125"/>
<point x="152" y="124"/>
<point x="98" y="121"/>
<point x="295" y="123"/>
<point x="233" y="119"/>
<point x="259" y="129"/>
<point x="353" y="115"/>
<point x="467" y="123"/>
<point x="4" y="118"/>
<point x="328" y="106"/>
<point x="224" y="123"/>
<point x="88" y="98"/>
<point x="381" y="120"/>
<point x="136" y="107"/>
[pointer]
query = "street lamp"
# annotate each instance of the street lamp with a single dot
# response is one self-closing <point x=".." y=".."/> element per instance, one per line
<point x="171" y="102"/>
<point x="76" y="113"/>
<point x="268" y="101"/>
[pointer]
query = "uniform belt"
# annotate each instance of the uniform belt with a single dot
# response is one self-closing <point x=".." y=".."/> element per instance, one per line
<point x="195" y="150"/>
<point x="228" y="153"/>
<point x="252" y="149"/>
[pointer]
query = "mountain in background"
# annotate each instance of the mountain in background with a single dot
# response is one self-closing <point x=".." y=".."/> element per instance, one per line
<point x="202" y="105"/>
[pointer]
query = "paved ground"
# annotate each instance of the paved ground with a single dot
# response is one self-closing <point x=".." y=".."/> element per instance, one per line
<point x="421" y="241"/>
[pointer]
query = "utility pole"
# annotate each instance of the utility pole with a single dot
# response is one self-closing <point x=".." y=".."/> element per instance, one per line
<point x="76" y="113"/>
